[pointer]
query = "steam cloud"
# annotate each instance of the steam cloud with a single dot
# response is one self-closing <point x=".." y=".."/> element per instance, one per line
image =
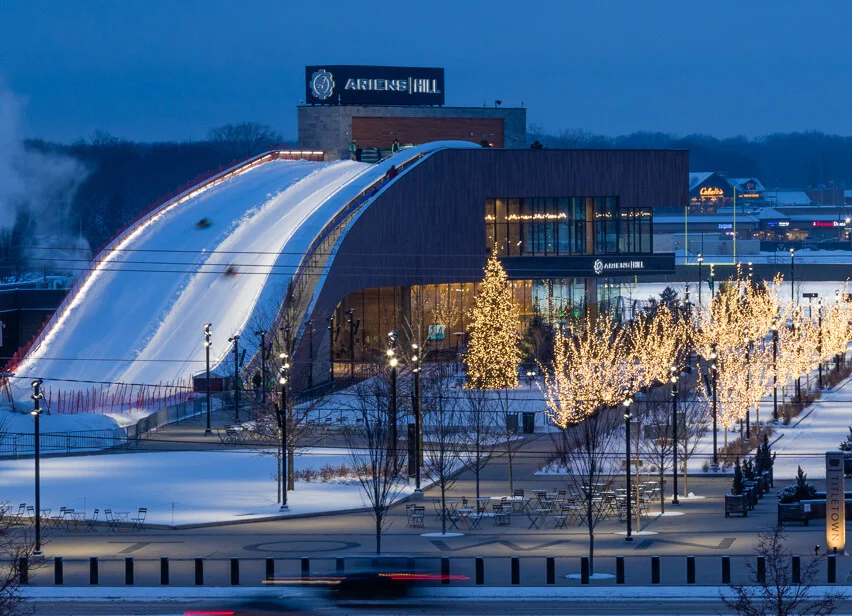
<point x="35" y="184"/>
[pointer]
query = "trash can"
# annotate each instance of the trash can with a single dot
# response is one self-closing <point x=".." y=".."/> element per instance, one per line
<point x="529" y="423"/>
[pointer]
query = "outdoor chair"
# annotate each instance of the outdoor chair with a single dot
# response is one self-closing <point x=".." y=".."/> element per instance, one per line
<point x="518" y="493"/>
<point x="59" y="519"/>
<point x="91" y="522"/>
<point x="18" y="516"/>
<point x="418" y="517"/>
<point x="474" y="520"/>
<point x="112" y="521"/>
<point x="31" y="513"/>
<point x="436" y="503"/>
<point x="502" y="517"/>
<point x="139" y="521"/>
<point x="559" y="521"/>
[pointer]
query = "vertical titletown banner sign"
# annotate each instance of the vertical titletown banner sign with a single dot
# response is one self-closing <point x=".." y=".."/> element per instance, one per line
<point x="331" y="84"/>
<point x="835" y="503"/>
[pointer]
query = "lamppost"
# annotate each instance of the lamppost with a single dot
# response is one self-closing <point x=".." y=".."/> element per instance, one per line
<point x="331" y="338"/>
<point x="416" y="360"/>
<point x="774" y="329"/>
<point x="236" y="340"/>
<point x="353" y="327"/>
<point x="36" y="413"/>
<point x="673" y="378"/>
<point x="628" y="400"/>
<point x="748" y="385"/>
<point x="792" y="276"/>
<point x="207" y="343"/>
<point x="714" y="370"/>
<point x="310" y="326"/>
<point x="392" y="363"/>
<point x="283" y="375"/>
<point x="819" y="341"/>
<point x="712" y="279"/>
<point x="700" y="281"/>
<point x="262" y="334"/>
<point x="530" y="377"/>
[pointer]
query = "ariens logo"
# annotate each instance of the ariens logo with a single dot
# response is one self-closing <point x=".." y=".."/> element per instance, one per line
<point x="322" y="84"/>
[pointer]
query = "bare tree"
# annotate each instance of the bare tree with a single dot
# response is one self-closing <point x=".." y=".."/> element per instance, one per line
<point x="507" y="431"/>
<point x="372" y="451"/>
<point x="480" y="430"/>
<point x="245" y="139"/>
<point x="777" y="594"/>
<point x="656" y="443"/>
<point x="695" y="429"/>
<point x="589" y="447"/>
<point x="15" y="543"/>
<point x="443" y="440"/>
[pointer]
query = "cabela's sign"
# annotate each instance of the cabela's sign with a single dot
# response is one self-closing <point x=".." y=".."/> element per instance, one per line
<point x="373" y="85"/>
<point x="711" y="191"/>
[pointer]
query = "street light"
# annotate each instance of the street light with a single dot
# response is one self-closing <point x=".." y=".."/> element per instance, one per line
<point x="353" y="328"/>
<point x="530" y="377"/>
<point x="393" y="362"/>
<point x="36" y="413"/>
<point x="628" y="400"/>
<point x="774" y="329"/>
<point x="207" y="343"/>
<point x="819" y="341"/>
<point x="747" y="341"/>
<point x="262" y="334"/>
<point x="714" y="370"/>
<point x="793" y="276"/>
<point x="331" y="338"/>
<point x="417" y="361"/>
<point x="674" y="375"/>
<point x="700" y="262"/>
<point x="283" y="375"/>
<point x="235" y="339"/>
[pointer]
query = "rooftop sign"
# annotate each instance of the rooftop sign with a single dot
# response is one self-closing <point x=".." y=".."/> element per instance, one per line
<point x="373" y="85"/>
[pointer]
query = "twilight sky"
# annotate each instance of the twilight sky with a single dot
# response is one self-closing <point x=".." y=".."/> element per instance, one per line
<point x="171" y="69"/>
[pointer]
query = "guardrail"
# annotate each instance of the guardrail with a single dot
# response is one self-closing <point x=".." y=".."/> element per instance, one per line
<point x="18" y="444"/>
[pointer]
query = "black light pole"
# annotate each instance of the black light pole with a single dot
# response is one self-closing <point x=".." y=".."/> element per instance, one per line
<point x="674" y="375"/>
<point x="700" y="281"/>
<point x="262" y="334"/>
<point x="792" y="277"/>
<point x="207" y="334"/>
<point x="36" y="413"/>
<point x="353" y="329"/>
<point x="748" y="385"/>
<point x="331" y="348"/>
<point x="714" y="369"/>
<point x="284" y="373"/>
<point x="819" y="341"/>
<point x="417" y="361"/>
<point x="236" y="340"/>
<point x="628" y="400"/>
<point x="310" y="325"/>
<point x="392" y="362"/>
<point x="775" y="368"/>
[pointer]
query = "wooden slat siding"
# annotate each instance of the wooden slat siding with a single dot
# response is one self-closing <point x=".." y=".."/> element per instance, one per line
<point x="429" y="226"/>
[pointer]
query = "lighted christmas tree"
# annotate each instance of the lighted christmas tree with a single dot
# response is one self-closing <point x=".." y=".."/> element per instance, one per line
<point x="493" y="353"/>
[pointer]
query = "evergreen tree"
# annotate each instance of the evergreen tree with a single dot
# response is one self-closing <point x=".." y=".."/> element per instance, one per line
<point x="847" y="444"/>
<point x="493" y="354"/>
<point x="738" y="486"/>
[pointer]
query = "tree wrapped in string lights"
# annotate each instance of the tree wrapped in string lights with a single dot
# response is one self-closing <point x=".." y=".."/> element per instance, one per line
<point x="493" y="354"/>
<point x="657" y="341"/>
<point x="590" y="376"/>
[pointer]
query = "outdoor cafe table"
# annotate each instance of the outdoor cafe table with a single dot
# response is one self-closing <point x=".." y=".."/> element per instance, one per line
<point x="482" y="503"/>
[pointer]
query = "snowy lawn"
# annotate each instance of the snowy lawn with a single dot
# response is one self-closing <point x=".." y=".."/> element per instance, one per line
<point x="179" y="487"/>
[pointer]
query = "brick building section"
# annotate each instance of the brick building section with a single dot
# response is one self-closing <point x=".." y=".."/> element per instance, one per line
<point x="330" y="128"/>
<point x="380" y="132"/>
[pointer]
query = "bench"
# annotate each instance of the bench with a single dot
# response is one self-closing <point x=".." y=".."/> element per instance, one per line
<point x="792" y="512"/>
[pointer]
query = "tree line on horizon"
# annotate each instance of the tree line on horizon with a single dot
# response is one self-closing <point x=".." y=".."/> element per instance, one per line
<point x="791" y="161"/>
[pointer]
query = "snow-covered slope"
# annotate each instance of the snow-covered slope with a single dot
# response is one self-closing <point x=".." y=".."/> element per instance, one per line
<point x="139" y="318"/>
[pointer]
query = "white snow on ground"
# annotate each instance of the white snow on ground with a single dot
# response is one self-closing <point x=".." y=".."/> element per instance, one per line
<point x="179" y="487"/>
<point x="140" y="320"/>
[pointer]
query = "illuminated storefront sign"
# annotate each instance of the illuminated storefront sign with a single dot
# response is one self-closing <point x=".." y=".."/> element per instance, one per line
<point x="373" y="85"/>
<point x="726" y="225"/>
<point x="711" y="191"/>
<point x="749" y="196"/>
<point x="783" y="223"/>
<point x="833" y="223"/>
<point x="600" y="266"/>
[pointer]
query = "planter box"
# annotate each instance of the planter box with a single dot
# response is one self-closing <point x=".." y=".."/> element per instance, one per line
<point x="792" y="512"/>
<point x="736" y="504"/>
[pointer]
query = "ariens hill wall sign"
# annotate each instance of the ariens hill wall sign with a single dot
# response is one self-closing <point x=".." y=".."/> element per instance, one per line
<point x="373" y="85"/>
